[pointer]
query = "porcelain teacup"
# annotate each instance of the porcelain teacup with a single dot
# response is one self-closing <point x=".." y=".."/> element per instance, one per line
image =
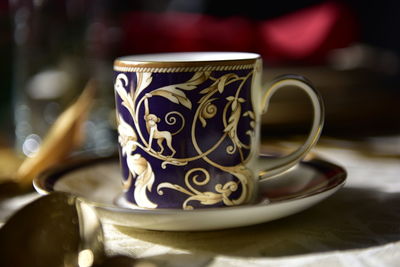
<point x="189" y="128"/>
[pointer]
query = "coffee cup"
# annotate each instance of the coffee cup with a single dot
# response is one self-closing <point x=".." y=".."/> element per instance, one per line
<point x="189" y="128"/>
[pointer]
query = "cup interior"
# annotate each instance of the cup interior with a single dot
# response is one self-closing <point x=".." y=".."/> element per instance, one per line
<point x="189" y="57"/>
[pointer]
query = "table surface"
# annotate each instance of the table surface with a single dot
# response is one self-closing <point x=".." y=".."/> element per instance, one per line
<point x="357" y="226"/>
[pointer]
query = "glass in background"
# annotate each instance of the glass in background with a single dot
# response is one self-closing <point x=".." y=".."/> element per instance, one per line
<point x="59" y="46"/>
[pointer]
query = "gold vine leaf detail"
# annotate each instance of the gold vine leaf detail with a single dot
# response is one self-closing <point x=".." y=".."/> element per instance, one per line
<point x="233" y="120"/>
<point x="173" y="162"/>
<point x="174" y="92"/>
<point x="141" y="170"/>
<point x="127" y="101"/>
<point x="126" y="136"/>
<point x="143" y="80"/>
<point x="174" y="95"/>
<point x="218" y="85"/>
<point x="205" y="198"/>
<point x="197" y="79"/>
<point x="210" y="198"/>
<point x="252" y="116"/>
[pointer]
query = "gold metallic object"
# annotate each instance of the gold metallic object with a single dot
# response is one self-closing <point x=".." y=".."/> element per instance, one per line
<point x="55" y="230"/>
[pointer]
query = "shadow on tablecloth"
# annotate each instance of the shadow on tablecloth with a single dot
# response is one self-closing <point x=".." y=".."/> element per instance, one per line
<point x="353" y="218"/>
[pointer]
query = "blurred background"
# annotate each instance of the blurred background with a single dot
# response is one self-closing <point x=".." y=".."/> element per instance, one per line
<point x="348" y="49"/>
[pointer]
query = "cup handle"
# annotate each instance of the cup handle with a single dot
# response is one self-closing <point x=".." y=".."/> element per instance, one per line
<point x="274" y="166"/>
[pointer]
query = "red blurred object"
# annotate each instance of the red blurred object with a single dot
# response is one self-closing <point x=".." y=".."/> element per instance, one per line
<point x="4" y="7"/>
<point x="153" y="32"/>
<point x="304" y="36"/>
<point x="307" y="34"/>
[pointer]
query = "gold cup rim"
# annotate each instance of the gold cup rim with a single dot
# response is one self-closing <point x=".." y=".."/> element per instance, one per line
<point x="186" y="62"/>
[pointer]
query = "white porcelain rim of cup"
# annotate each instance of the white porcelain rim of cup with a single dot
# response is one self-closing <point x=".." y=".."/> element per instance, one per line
<point x="186" y="61"/>
<point x="188" y="57"/>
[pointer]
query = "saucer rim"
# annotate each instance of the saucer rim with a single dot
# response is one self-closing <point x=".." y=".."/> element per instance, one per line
<point x="43" y="186"/>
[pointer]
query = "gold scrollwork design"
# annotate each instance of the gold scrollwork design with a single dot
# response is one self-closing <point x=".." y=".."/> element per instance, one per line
<point x="171" y="120"/>
<point x="134" y="100"/>
<point x="205" y="198"/>
<point x="223" y="191"/>
<point x="208" y="111"/>
<point x="139" y="168"/>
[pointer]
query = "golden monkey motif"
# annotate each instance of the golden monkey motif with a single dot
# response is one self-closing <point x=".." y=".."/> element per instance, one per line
<point x="160" y="136"/>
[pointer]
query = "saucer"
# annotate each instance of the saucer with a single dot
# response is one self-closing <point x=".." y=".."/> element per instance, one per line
<point x="97" y="182"/>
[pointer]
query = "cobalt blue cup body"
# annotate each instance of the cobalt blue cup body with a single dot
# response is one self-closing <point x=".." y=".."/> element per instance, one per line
<point x="189" y="124"/>
<point x="186" y="132"/>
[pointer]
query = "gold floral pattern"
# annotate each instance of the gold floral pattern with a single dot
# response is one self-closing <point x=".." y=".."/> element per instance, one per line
<point x="141" y="170"/>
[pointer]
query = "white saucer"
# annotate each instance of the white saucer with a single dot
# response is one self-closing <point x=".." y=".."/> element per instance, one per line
<point x="97" y="181"/>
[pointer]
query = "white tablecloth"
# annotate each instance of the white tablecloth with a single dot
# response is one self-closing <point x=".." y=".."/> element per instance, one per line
<point x="357" y="226"/>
